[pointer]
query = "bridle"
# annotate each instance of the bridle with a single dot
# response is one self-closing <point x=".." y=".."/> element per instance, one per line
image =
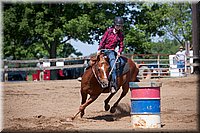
<point x="99" y="81"/>
<point x="95" y="67"/>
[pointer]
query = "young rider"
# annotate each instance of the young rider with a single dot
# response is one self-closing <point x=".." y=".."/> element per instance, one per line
<point x="112" y="38"/>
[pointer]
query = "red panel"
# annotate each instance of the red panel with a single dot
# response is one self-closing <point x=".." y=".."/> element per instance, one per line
<point x="35" y="76"/>
<point x="145" y="93"/>
<point x="38" y="72"/>
<point x="61" y="73"/>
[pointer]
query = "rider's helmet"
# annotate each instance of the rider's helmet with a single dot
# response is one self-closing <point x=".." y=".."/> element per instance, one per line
<point x="118" y="21"/>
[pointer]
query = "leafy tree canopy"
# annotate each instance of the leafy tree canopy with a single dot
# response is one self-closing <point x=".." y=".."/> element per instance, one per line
<point x="46" y="28"/>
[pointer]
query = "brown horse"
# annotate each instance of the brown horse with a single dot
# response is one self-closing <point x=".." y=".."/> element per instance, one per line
<point x="95" y="81"/>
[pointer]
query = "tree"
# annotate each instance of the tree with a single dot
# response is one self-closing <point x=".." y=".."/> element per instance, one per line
<point x="160" y="20"/>
<point x="166" y="46"/>
<point x="147" y="23"/>
<point x="46" y="28"/>
<point x="179" y="21"/>
<point x="29" y="26"/>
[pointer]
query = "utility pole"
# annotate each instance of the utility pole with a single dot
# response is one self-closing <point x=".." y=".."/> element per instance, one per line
<point x="196" y="35"/>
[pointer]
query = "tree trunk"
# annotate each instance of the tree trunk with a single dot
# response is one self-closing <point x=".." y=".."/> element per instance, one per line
<point x="53" y="48"/>
<point x="196" y="35"/>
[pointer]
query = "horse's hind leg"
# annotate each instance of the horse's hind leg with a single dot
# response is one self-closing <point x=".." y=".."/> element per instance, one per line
<point x="125" y="88"/>
<point x="106" y="105"/>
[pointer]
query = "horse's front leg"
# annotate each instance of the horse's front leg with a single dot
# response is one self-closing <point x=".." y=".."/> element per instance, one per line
<point x="81" y="109"/>
<point x="89" y="101"/>
<point x="84" y="98"/>
<point x="106" y="105"/>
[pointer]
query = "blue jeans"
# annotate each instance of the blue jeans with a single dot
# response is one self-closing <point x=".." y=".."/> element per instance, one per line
<point x="180" y="64"/>
<point x="112" y="57"/>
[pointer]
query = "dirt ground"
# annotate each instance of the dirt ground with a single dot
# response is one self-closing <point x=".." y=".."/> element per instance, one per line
<point x="49" y="106"/>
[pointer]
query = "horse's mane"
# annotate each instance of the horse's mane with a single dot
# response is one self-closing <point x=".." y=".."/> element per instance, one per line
<point x="94" y="59"/>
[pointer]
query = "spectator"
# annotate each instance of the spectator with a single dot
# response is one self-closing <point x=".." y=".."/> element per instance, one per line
<point x="181" y="57"/>
<point x="41" y="74"/>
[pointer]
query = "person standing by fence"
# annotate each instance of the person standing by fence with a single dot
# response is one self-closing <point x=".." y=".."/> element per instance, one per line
<point x="181" y="57"/>
<point x="41" y="74"/>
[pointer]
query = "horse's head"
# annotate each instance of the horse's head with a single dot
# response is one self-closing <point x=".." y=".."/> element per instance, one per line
<point x="101" y="70"/>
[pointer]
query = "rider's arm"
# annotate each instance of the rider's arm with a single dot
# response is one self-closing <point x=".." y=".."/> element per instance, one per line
<point x="102" y="42"/>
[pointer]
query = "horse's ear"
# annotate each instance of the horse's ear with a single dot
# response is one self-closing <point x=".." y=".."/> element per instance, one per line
<point x="93" y="60"/>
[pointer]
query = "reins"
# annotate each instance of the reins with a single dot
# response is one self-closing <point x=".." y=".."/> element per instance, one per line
<point x="113" y="66"/>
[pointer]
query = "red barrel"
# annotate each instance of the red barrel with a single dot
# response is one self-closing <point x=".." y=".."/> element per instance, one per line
<point x="145" y="93"/>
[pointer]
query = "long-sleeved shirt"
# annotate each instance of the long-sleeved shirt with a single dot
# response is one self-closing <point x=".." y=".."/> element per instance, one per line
<point x="180" y="55"/>
<point x="110" y="40"/>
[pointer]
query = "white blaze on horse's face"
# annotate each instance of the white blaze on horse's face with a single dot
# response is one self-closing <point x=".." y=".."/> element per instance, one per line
<point x="104" y="71"/>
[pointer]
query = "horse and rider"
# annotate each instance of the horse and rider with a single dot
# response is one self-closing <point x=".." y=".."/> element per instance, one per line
<point x="112" y="38"/>
<point x="108" y="71"/>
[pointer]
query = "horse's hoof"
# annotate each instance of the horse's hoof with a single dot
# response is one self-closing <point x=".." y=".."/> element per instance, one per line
<point x="82" y="115"/>
<point x="112" y="110"/>
<point x="107" y="107"/>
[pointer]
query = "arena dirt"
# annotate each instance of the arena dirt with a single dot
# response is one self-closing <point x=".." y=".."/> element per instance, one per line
<point x="49" y="106"/>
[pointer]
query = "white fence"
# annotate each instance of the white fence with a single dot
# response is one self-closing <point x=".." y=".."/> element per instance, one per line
<point x="150" y="66"/>
<point x="161" y="65"/>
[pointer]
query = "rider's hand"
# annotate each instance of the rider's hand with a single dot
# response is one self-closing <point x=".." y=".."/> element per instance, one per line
<point x="118" y="53"/>
<point x="98" y="52"/>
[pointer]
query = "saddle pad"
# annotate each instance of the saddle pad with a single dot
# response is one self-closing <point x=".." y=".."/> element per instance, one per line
<point x="122" y="66"/>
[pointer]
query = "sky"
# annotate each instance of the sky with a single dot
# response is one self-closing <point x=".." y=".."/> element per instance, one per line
<point x="85" y="48"/>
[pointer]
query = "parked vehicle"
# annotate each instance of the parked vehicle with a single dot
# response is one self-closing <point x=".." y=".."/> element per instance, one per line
<point x="17" y="76"/>
<point x="70" y="73"/>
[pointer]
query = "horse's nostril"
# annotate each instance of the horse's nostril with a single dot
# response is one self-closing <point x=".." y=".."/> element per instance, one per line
<point x="104" y="85"/>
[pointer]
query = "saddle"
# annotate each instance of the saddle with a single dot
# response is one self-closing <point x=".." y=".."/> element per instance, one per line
<point x="122" y="65"/>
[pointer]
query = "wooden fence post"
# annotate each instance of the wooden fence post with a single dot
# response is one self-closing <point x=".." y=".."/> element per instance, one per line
<point x="158" y="62"/>
<point x="5" y="75"/>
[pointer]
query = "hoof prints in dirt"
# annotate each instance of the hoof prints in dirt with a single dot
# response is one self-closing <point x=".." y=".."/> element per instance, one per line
<point x="122" y="110"/>
<point x="40" y="122"/>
